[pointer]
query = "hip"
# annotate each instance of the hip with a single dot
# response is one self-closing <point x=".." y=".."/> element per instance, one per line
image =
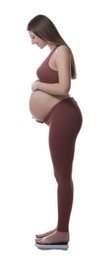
<point x="67" y="109"/>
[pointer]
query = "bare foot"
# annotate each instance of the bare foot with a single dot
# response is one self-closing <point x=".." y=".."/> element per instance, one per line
<point x="45" y="234"/>
<point x="55" y="237"/>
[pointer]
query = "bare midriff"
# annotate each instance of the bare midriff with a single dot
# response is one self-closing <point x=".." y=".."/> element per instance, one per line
<point x="41" y="103"/>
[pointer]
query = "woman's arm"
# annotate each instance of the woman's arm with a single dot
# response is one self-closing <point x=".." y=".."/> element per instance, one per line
<point x="63" y="65"/>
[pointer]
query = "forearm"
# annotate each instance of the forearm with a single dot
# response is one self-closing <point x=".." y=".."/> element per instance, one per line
<point x="53" y="89"/>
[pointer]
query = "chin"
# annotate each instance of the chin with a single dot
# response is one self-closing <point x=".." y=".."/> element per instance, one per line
<point x="42" y="46"/>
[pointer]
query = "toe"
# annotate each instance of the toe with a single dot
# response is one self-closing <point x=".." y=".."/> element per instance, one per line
<point x="38" y="240"/>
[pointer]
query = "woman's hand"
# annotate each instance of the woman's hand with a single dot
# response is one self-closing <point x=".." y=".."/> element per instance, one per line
<point x="35" y="85"/>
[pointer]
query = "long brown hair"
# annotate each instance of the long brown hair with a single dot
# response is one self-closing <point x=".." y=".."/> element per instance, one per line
<point x="44" y="28"/>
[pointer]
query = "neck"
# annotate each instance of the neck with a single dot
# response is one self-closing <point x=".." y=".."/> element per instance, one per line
<point x="51" y="46"/>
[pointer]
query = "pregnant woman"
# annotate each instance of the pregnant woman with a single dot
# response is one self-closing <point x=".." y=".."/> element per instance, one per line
<point x="50" y="103"/>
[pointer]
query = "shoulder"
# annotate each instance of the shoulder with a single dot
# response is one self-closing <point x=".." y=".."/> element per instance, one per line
<point x="63" y="50"/>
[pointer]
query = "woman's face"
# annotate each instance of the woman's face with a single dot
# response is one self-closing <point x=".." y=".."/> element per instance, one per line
<point x="36" y="40"/>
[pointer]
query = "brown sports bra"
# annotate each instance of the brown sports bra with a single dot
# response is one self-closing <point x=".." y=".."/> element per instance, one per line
<point x="45" y="73"/>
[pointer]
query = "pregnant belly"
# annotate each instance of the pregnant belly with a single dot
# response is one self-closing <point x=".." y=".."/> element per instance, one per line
<point x="41" y="103"/>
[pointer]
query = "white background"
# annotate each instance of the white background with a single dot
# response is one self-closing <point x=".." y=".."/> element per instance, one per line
<point x="27" y="184"/>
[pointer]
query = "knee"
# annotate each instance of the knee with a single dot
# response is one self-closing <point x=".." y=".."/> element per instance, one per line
<point x="62" y="179"/>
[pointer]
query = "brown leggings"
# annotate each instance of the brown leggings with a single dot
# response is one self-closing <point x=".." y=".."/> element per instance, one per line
<point x="64" y="120"/>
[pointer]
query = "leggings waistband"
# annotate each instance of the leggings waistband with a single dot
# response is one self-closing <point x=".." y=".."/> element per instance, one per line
<point x="59" y="108"/>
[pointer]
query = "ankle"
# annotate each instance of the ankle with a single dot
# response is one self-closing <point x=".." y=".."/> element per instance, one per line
<point x="63" y="234"/>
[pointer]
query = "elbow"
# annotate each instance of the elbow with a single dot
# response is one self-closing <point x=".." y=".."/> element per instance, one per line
<point x="66" y="90"/>
<point x="65" y="87"/>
